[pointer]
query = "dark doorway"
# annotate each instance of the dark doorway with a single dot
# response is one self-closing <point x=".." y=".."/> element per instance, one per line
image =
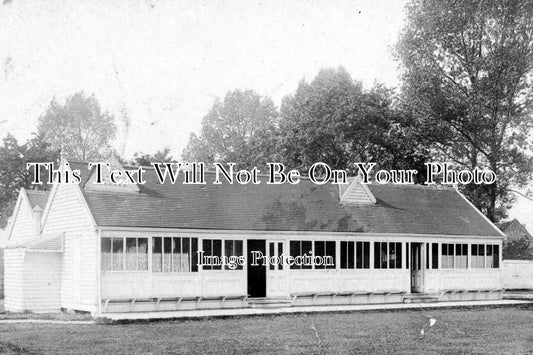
<point x="256" y="273"/>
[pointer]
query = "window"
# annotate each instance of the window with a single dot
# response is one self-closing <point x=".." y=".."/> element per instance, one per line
<point x="355" y="255"/>
<point x="184" y="256"/>
<point x="174" y="254"/>
<point x="347" y="255"/>
<point x="387" y="255"/>
<point x="427" y="255"/>
<point x="233" y="250"/>
<point x="362" y="252"/>
<point x="478" y="256"/>
<point x="121" y="253"/>
<point x="407" y="252"/>
<point x="118" y="253"/>
<point x="485" y="256"/>
<point x="434" y="255"/>
<point x="162" y="254"/>
<point x="213" y="251"/>
<point x="218" y="253"/>
<point x="279" y="255"/>
<point x="298" y="249"/>
<point x="107" y="254"/>
<point x="461" y="256"/>
<point x="325" y="250"/>
<point x="447" y="253"/>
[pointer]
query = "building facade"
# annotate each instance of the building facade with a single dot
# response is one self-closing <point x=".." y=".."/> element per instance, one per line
<point x="158" y="247"/>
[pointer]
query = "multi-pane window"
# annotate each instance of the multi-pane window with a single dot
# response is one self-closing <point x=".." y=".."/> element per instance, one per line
<point x="233" y="250"/>
<point x="362" y="255"/>
<point x="299" y="248"/>
<point x="355" y="255"/>
<point x="136" y="254"/>
<point x="478" y="256"/>
<point x="347" y="255"/>
<point x="184" y="254"/>
<point x="447" y="255"/>
<point x="326" y="250"/>
<point x="124" y="253"/>
<point x="485" y="256"/>
<point x="218" y="253"/>
<point x="454" y="256"/>
<point x="387" y="255"/>
<point x="212" y="249"/>
<point x="174" y="254"/>
<point x="461" y="256"/>
<point x="272" y="252"/>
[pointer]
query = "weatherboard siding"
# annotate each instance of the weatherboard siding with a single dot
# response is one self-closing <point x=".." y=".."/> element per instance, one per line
<point x="518" y="274"/>
<point x="42" y="281"/>
<point x="14" y="281"/>
<point x="69" y="216"/>
<point x="23" y="229"/>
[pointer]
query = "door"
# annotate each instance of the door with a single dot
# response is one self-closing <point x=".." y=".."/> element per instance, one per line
<point x="276" y="272"/>
<point x="257" y="272"/>
<point x="417" y="267"/>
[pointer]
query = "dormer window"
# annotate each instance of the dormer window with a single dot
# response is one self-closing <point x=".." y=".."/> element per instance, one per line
<point x="356" y="192"/>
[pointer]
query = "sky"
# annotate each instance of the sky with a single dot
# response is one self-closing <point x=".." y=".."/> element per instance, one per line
<point x="163" y="63"/>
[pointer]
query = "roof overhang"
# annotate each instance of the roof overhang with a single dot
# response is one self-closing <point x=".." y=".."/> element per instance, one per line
<point x="295" y="233"/>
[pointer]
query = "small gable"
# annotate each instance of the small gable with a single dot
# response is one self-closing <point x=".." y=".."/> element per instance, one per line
<point x="356" y="193"/>
<point x="26" y="219"/>
<point x="121" y="183"/>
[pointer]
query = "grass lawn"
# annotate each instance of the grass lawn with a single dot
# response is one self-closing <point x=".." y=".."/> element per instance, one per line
<point x="484" y="330"/>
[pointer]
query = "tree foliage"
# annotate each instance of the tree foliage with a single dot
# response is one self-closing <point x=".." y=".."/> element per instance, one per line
<point x="239" y="129"/>
<point x="161" y="156"/>
<point x="13" y="172"/>
<point x="79" y="127"/>
<point x="517" y="249"/>
<point x="333" y="120"/>
<point x="467" y="68"/>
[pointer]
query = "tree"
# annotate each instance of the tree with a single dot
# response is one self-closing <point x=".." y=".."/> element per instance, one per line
<point x="13" y="172"/>
<point x="161" y="156"/>
<point x="79" y="128"/>
<point x="333" y="120"/>
<point x="239" y="129"/>
<point x="517" y="249"/>
<point x="466" y="82"/>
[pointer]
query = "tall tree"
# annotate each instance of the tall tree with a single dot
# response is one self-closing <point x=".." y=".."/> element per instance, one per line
<point x="467" y="69"/>
<point x="79" y="127"/>
<point x="239" y="129"/>
<point x="333" y="120"/>
<point x="13" y="172"/>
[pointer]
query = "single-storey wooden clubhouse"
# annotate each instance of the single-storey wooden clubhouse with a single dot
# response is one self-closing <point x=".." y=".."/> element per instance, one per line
<point x="131" y="248"/>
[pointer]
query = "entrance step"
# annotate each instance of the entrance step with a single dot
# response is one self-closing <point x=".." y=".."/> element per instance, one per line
<point x="421" y="298"/>
<point x="271" y="302"/>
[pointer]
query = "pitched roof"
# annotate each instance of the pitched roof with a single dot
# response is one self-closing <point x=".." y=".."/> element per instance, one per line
<point x="301" y="207"/>
<point x="514" y="228"/>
